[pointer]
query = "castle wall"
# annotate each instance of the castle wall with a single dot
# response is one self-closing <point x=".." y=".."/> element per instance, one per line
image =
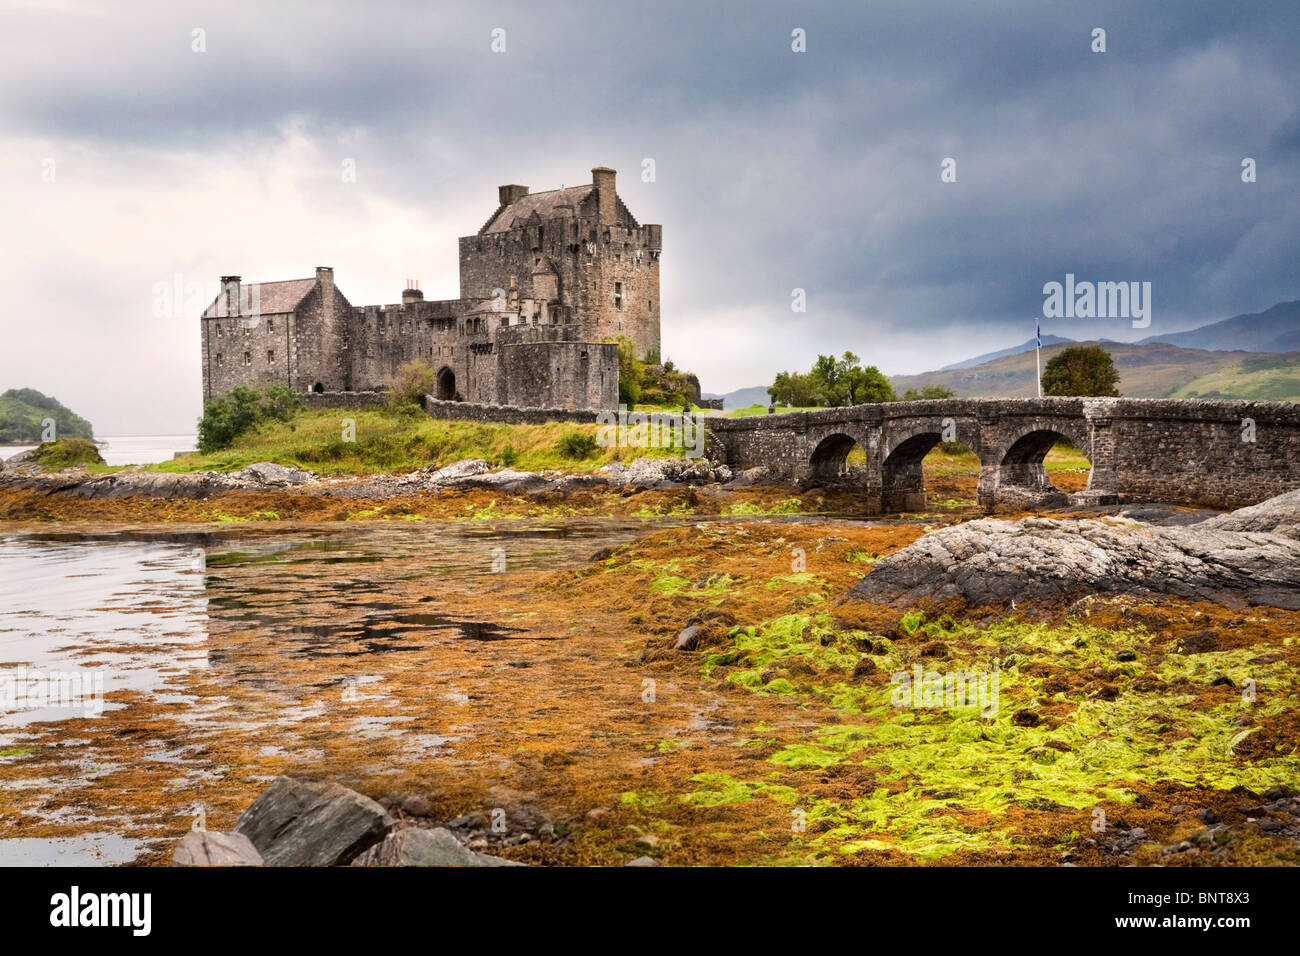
<point x="580" y="375"/>
<point x="624" y="270"/>
<point x="321" y="343"/>
<point x="509" y="414"/>
<point x="266" y="341"/>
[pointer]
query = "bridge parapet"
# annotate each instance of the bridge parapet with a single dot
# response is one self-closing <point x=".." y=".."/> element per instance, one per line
<point x="1217" y="453"/>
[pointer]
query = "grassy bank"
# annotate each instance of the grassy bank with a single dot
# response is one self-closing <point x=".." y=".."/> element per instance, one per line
<point x="388" y="441"/>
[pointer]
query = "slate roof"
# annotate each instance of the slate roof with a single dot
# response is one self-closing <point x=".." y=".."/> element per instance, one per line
<point x="542" y="203"/>
<point x="263" y="298"/>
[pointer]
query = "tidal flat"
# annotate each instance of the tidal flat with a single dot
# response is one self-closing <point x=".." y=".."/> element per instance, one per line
<point x="539" y="669"/>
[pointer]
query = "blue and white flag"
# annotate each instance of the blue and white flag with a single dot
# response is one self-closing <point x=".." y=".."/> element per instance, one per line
<point x="1038" y="331"/>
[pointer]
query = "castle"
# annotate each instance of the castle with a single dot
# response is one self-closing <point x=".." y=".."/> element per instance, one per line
<point x="546" y="287"/>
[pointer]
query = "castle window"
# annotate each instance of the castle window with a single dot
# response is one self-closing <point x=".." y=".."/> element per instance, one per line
<point x="218" y="330"/>
<point x="270" y="325"/>
<point x="220" y="359"/>
<point x="248" y="358"/>
<point x="618" y="295"/>
<point x="270" y="357"/>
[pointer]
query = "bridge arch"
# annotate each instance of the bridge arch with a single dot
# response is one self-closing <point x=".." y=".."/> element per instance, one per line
<point x="836" y="457"/>
<point x="1022" y="464"/>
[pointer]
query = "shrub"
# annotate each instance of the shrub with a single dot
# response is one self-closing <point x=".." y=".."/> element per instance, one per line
<point x="411" y="383"/>
<point x="240" y="411"/>
<point x="577" y="445"/>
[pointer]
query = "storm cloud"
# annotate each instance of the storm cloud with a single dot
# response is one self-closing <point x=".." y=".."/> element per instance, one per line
<point x="774" y="170"/>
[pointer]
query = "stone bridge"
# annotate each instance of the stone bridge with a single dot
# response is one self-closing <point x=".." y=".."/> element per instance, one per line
<point x="1221" y="454"/>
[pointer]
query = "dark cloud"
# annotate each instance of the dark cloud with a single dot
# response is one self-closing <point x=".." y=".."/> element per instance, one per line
<point x="775" y="170"/>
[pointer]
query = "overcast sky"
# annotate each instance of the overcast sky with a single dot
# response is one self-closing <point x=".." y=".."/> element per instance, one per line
<point x="774" y="170"/>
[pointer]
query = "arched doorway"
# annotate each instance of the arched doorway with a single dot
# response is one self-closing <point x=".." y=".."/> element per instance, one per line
<point x="318" y="388"/>
<point x="838" y="458"/>
<point x="446" y="385"/>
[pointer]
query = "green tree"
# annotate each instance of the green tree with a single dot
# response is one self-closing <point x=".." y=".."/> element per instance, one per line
<point x="793" y="389"/>
<point x="242" y="409"/>
<point x="1081" y="370"/>
<point x="928" y="392"/>
<point x="832" y="382"/>
<point x="867" y="385"/>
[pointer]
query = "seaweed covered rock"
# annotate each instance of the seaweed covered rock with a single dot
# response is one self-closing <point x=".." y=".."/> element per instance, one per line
<point x="1250" y="556"/>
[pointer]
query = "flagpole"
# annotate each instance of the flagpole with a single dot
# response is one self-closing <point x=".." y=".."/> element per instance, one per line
<point x="1038" y="357"/>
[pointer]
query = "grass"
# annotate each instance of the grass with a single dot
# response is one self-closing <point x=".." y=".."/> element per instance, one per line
<point x="394" y="441"/>
<point x="68" y="453"/>
<point x="942" y="464"/>
<point x="759" y="409"/>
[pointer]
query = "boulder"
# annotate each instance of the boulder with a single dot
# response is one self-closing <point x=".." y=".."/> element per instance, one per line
<point x="1246" y="557"/>
<point x="1279" y="515"/>
<point x="665" y="472"/>
<point x="415" y="846"/>
<point x="215" y="848"/>
<point x="303" y="823"/>
<point x="459" y="469"/>
<point x="271" y="475"/>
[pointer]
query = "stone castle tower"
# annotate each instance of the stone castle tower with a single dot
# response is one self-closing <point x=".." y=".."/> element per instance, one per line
<point x="548" y="283"/>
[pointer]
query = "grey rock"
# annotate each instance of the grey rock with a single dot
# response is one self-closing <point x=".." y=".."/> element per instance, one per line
<point x="215" y="848"/>
<point x="416" y="846"/>
<point x="752" y="476"/>
<point x="654" y="473"/>
<point x="416" y="806"/>
<point x="1279" y="515"/>
<point x="271" y="475"/>
<point x="643" y="861"/>
<point x="686" y="639"/>
<point x="303" y="823"/>
<point x="989" y="561"/>
<point x="465" y="468"/>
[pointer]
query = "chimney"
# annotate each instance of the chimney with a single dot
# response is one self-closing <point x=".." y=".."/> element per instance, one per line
<point x="511" y="194"/>
<point x="325" y="276"/>
<point x="412" y="292"/>
<point x="230" y="292"/>
<point x="602" y="177"/>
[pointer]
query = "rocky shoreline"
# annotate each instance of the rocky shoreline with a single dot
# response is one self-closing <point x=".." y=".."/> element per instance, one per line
<point x="308" y="823"/>
<point x="643" y="474"/>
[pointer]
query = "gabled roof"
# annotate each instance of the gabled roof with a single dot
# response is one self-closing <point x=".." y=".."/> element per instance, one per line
<point x="263" y="298"/>
<point x="542" y="204"/>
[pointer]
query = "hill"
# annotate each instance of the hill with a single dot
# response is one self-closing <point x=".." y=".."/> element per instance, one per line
<point x="22" y="410"/>
<point x="1274" y="330"/>
<point x="1151" y="370"/>
<point x="1014" y="350"/>
<point x="742" y="397"/>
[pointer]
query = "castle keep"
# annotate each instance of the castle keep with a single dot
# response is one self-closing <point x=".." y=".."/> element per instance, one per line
<point x="546" y="286"/>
